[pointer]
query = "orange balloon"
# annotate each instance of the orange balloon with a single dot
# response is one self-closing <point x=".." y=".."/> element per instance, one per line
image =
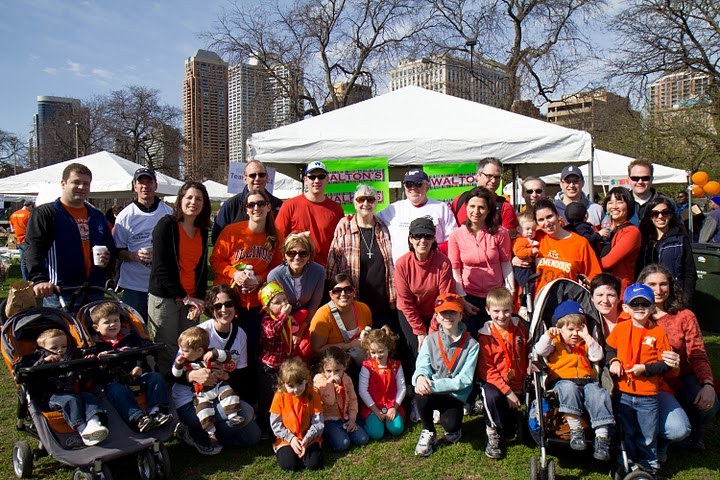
<point x="697" y="191"/>
<point x="700" y="178"/>
<point x="712" y="188"/>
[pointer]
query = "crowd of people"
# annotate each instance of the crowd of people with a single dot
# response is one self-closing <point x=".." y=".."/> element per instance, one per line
<point x="412" y="313"/>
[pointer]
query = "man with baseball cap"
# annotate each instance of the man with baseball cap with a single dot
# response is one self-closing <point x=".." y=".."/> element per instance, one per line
<point x="571" y="183"/>
<point x="233" y="210"/>
<point x="18" y="222"/>
<point x="312" y="211"/>
<point x="133" y="238"/>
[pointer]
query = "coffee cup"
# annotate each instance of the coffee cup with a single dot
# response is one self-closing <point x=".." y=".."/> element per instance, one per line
<point x="98" y="251"/>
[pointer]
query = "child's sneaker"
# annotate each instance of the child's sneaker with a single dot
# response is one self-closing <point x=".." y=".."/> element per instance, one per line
<point x="493" y="449"/>
<point x="602" y="449"/>
<point x="236" y="420"/>
<point x="436" y="416"/>
<point x="577" y="439"/>
<point x="182" y="432"/>
<point x="161" y="419"/>
<point x="425" y="444"/>
<point x="145" y="423"/>
<point x="93" y="433"/>
<point x="452" y="437"/>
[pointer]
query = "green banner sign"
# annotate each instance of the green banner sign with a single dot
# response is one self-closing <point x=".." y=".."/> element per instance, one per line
<point x="345" y="175"/>
<point x="450" y="180"/>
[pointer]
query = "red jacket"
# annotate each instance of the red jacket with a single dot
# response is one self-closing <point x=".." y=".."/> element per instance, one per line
<point x="491" y="365"/>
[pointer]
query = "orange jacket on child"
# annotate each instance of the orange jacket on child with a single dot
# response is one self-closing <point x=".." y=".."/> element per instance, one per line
<point x="299" y="417"/>
<point x="492" y="364"/>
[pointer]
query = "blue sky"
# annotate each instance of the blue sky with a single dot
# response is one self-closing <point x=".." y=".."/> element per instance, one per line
<point x="79" y="49"/>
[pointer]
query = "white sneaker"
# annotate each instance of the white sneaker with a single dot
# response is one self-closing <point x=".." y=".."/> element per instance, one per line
<point x="93" y="433"/>
<point x="425" y="444"/>
<point x="436" y="416"/>
<point x="414" y="411"/>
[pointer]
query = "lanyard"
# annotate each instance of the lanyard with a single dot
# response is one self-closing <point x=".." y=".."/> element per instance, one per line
<point x="507" y="354"/>
<point x="287" y="333"/>
<point x="451" y="363"/>
<point x="341" y="398"/>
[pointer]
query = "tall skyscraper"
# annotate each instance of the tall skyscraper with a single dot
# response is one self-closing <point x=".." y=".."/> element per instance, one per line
<point x="205" y="117"/>
<point x="452" y="76"/>
<point x="591" y="111"/>
<point x="57" y="126"/>
<point x="679" y="89"/>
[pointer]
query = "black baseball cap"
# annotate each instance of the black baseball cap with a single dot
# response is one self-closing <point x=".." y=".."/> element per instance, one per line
<point x="146" y="172"/>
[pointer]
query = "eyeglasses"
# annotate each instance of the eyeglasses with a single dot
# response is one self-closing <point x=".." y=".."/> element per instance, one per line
<point x="422" y="236"/>
<point x="639" y="305"/>
<point x="260" y="204"/>
<point x="365" y="199"/>
<point x="572" y="179"/>
<point x="256" y="175"/>
<point x="413" y="185"/>
<point x="488" y="176"/>
<point x="644" y="178"/>
<point x="218" y="306"/>
<point x="667" y="213"/>
<point x="340" y="290"/>
<point x="297" y="253"/>
<point x="447" y="299"/>
<point x="319" y="176"/>
<point x="530" y="191"/>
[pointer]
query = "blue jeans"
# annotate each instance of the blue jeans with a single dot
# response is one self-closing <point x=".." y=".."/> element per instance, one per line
<point x="339" y="439"/>
<point x="23" y="267"/>
<point x="137" y="300"/>
<point x="673" y="425"/>
<point x="376" y="429"/>
<point x="594" y="399"/>
<point x="77" y="408"/>
<point x="638" y="416"/>
<point x="243" y="435"/>
<point x="54" y="302"/>
<point x="123" y="399"/>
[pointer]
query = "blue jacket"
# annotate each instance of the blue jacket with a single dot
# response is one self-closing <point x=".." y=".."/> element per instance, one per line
<point x="54" y="248"/>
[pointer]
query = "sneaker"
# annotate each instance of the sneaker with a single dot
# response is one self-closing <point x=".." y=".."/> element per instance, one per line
<point x="425" y="444"/>
<point x="451" y="438"/>
<point x="161" y="419"/>
<point x="478" y="408"/>
<point x="467" y="409"/>
<point x="436" y="416"/>
<point x="577" y="439"/>
<point x="414" y="411"/>
<point x="94" y="433"/>
<point x="493" y="449"/>
<point x="213" y="438"/>
<point x="602" y="449"/>
<point x="202" y="449"/>
<point x="145" y="423"/>
<point x="236" y="420"/>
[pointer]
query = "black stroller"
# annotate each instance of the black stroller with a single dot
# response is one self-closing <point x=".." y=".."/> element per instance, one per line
<point x="56" y="438"/>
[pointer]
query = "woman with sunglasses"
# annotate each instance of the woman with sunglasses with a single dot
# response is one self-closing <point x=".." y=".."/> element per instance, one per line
<point x="665" y="242"/>
<point x="303" y="281"/>
<point x="622" y="243"/>
<point x="689" y="399"/>
<point x="221" y="305"/>
<point x="365" y="252"/>
<point x="340" y="322"/>
<point x="254" y="242"/>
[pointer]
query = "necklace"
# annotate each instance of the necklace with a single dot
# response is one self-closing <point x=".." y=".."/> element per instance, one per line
<point x="372" y="239"/>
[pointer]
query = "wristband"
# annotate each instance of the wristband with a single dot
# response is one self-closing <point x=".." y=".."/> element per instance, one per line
<point x="710" y="384"/>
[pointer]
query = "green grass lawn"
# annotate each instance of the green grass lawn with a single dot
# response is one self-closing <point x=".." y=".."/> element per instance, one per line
<point x="391" y="458"/>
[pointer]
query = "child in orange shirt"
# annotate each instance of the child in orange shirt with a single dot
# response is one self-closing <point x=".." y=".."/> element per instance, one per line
<point x="525" y="248"/>
<point x="296" y="419"/>
<point x="634" y="353"/>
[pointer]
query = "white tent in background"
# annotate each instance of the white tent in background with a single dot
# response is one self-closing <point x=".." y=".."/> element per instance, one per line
<point x="216" y="190"/>
<point x="112" y="178"/>
<point x="610" y="169"/>
<point x="415" y="126"/>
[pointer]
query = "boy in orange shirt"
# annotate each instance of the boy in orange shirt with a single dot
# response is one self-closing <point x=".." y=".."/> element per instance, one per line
<point x="634" y="353"/>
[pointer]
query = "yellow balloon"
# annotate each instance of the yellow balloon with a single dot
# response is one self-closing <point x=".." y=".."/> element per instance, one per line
<point x="697" y="191"/>
<point x="712" y="188"/>
<point x="700" y="178"/>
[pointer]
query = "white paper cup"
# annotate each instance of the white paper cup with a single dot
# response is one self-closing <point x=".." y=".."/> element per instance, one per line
<point x="98" y="251"/>
<point x="146" y="250"/>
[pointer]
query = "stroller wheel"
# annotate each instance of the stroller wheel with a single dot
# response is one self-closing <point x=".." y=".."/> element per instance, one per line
<point x="162" y="463"/>
<point x="534" y="468"/>
<point x="82" y="474"/>
<point x="22" y="459"/>
<point x="146" y="465"/>
<point x="638" y="474"/>
<point x="104" y="473"/>
<point x="548" y="473"/>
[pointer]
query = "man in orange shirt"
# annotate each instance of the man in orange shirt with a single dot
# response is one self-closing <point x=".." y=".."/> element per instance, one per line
<point x="19" y="221"/>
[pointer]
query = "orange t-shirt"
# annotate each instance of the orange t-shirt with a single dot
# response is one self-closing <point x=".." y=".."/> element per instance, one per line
<point x="81" y="219"/>
<point x="626" y="338"/>
<point x="296" y="412"/>
<point x="190" y="253"/>
<point x="19" y="221"/>
<point x="564" y="258"/>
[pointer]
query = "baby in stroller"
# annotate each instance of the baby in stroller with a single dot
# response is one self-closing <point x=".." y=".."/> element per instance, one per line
<point x="67" y="390"/>
<point x="568" y="349"/>
<point x="129" y="375"/>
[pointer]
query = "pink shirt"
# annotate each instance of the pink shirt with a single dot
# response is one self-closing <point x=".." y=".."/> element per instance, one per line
<point x="479" y="258"/>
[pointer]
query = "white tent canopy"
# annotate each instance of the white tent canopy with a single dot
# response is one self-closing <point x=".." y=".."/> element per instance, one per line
<point x="216" y="190"/>
<point x="414" y="126"/>
<point x="610" y="169"/>
<point x="112" y="178"/>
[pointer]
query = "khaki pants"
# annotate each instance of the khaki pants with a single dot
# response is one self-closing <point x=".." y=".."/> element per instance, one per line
<point x="167" y="318"/>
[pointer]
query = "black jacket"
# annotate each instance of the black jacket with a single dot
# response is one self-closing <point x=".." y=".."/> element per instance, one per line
<point x="65" y="380"/>
<point x="232" y="211"/>
<point x="120" y="371"/>
<point x="165" y="272"/>
<point x="673" y="251"/>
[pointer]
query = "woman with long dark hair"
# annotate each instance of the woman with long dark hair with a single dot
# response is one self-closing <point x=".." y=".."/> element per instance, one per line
<point x="620" y="252"/>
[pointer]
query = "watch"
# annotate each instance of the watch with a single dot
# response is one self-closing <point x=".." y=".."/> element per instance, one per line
<point x="711" y="384"/>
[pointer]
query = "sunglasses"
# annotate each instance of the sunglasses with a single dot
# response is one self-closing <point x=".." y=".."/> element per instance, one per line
<point x="218" y="306"/>
<point x="645" y="178"/>
<point x="340" y="290"/>
<point x="420" y="236"/>
<point x="661" y="213"/>
<point x="320" y="176"/>
<point x="365" y="199"/>
<point x="297" y="253"/>
<point x="573" y="179"/>
<point x="260" y="204"/>
<point x="530" y="191"/>
<point x="639" y="305"/>
<point x="413" y="184"/>
<point x="256" y="175"/>
<point x="447" y="299"/>
<point x="487" y="175"/>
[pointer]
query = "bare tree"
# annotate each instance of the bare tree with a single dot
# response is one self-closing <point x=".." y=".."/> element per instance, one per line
<point x="320" y="43"/>
<point x="13" y="152"/>
<point x="538" y="44"/>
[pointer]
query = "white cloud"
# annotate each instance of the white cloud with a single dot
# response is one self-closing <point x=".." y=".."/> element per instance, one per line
<point x="102" y="73"/>
<point x="50" y="70"/>
<point x="75" y="68"/>
<point x="32" y="59"/>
